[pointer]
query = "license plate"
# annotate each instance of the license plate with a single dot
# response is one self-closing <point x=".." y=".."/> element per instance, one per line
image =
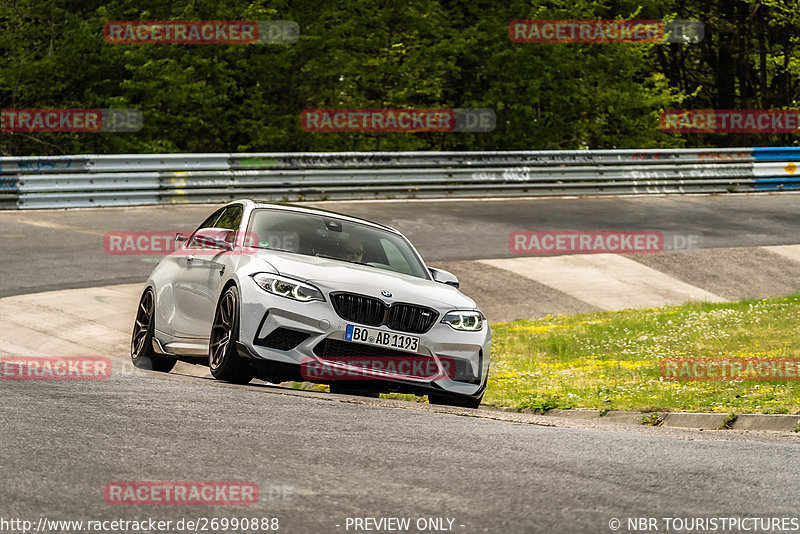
<point x="381" y="338"/>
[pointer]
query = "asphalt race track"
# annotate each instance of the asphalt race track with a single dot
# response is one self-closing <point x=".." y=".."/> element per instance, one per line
<point x="331" y="459"/>
<point x="319" y="459"/>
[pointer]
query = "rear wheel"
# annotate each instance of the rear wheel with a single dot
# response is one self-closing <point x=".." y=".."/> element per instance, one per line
<point x="142" y="354"/>
<point x="463" y="402"/>
<point x="223" y="358"/>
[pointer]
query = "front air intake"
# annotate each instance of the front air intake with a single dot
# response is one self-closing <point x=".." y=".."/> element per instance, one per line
<point x="282" y="339"/>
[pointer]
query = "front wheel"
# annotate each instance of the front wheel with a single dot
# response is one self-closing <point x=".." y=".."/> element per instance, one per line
<point x="462" y="402"/>
<point x="142" y="354"/>
<point x="223" y="358"/>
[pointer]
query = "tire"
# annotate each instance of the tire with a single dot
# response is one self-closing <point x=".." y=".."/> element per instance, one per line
<point x="463" y="402"/>
<point x="223" y="358"/>
<point x="142" y="354"/>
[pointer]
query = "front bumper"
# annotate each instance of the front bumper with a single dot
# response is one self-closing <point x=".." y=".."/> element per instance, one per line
<point x="284" y="334"/>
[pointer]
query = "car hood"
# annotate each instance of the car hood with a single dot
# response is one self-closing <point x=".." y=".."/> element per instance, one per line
<point x="333" y="275"/>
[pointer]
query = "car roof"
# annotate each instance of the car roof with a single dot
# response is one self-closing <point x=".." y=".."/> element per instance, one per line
<point x="256" y="204"/>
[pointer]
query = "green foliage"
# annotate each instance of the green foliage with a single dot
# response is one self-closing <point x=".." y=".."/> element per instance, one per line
<point x="728" y="422"/>
<point x="367" y="53"/>
<point x="651" y="419"/>
<point x="539" y="403"/>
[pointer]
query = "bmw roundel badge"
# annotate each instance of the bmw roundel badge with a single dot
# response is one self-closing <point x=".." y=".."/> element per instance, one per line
<point x="386" y="293"/>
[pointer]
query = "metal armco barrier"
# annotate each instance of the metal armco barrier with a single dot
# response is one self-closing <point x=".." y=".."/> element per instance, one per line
<point x="125" y="180"/>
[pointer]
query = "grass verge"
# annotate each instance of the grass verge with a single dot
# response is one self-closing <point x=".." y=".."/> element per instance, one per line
<point x="610" y="360"/>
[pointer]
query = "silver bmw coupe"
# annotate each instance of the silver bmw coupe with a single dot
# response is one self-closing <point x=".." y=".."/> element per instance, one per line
<point x="283" y="293"/>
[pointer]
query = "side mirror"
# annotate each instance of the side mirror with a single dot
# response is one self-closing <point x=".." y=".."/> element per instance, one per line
<point x="214" y="238"/>
<point x="444" y="277"/>
<point x="180" y="238"/>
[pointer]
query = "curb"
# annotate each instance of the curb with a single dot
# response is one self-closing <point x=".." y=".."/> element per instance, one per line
<point x="701" y="421"/>
<point x="779" y="423"/>
<point x="698" y="421"/>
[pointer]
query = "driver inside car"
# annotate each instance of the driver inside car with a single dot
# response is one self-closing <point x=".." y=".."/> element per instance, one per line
<point x="353" y="249"/>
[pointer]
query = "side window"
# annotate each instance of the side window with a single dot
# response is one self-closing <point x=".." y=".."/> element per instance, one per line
<point x="209" y="223"/>
<point x="227" y="218"/>
<point x="231" y="219"/>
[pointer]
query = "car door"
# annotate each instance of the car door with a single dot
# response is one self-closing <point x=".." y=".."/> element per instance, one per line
<point x="170" y="290"/>
<point x="198" y="283"/>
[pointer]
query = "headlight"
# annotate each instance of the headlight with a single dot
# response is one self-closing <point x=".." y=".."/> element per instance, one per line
<point x="470" y="321"/>
<point x="287" y="287"/>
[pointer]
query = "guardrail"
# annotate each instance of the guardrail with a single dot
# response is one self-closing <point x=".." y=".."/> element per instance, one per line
<point x="128" y="179"/>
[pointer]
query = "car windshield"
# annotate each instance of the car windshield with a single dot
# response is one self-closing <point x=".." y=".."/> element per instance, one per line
<point x="330" y="237"/>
